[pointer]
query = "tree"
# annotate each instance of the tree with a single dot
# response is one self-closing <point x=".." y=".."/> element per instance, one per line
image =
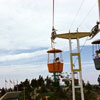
<point x="3" y="91"/>
<point x="40" y="81"/>
<point x="34" y="83"/>
<point x="88" y="86"/>
<point x="48" y="81"/>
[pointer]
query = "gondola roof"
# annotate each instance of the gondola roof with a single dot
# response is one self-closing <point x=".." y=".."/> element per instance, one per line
<point x="54" y="50"/>
<point x="96" y="41"/>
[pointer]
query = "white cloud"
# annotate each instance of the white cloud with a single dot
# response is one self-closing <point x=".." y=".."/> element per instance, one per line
<point x="22" y="56"/>
<point x="21" y="72"/>
<point x="89" y="72"/>
<point x="28" y="23"/>
<point x="23" y="26"/>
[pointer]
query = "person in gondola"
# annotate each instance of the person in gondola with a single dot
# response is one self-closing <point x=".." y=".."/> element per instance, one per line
<point x="97" y="56"/>
<point x="97" y="53"/>
<point x="99" y="80"/>
<point x="57" y="59"/>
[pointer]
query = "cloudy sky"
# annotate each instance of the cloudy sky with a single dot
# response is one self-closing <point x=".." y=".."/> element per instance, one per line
<point x="25" y="30"/>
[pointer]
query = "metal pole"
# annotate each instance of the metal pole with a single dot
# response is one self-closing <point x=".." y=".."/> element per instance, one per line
<point x="78" y="45"/>
<point x="81" y="84"/>
<point x="48" y="57"/>
<point x="51" y="43"/>
<point x="99" y="9"/>
<point x="53" y="16"/>
<point x="73" y="89"/>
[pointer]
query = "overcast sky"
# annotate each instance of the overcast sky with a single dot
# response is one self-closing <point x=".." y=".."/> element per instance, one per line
<point x="25" y="30"/>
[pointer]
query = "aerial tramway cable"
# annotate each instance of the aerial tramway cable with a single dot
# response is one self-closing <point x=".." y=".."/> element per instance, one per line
<point x="87" y="15"/>
<point x="99" y="9"/>
<point x="87" y="37"/>
<point x="81" y="24"/>
<point x="77" y="14"/>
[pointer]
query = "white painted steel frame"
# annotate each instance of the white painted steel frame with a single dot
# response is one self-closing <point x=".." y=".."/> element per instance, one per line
<point x="80" y="73"/>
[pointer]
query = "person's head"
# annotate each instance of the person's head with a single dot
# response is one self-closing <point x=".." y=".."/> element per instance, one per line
<point x="57" y="58"/>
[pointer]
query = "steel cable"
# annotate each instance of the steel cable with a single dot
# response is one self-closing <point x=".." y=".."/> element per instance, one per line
<point x="77" y="13"/>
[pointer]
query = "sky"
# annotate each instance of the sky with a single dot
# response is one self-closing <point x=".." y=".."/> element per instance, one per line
<point x="25" y="30"/>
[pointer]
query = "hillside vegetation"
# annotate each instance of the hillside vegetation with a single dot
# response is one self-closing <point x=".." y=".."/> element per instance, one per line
<point x="46" y="89"/>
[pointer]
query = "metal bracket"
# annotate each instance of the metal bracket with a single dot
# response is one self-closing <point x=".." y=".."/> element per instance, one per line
<point x="94" y="30"/>
<point x="53" y="34"/>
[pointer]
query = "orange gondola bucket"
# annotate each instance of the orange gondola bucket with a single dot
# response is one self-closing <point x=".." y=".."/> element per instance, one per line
<point x="55" y="62"/>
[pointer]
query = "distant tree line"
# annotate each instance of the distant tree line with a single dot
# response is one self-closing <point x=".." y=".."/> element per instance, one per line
<point x="43" y="88"/>
<point x="29" y="86"/>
